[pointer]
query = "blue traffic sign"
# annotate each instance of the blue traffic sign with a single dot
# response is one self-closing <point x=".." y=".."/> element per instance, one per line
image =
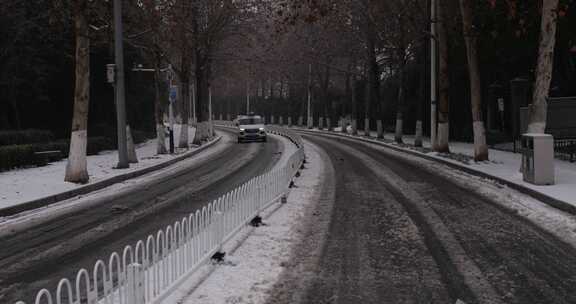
<point x="173" y="93"/>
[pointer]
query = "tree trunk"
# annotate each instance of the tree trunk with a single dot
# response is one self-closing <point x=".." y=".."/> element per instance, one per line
<point x="184" y="76"/>
<point x="480" y="148"/>
<point x="202" y="83"/>
<point x="76" y="168"/>
<point x="373" y="81"/>
<point x="130" y="147"/>
<point x="159" y="114"/>
<point x="443" y="133"/>
<point x="399" y="112"/>
<point x="354" y="107"/>
<point x="421" y="96"/>
<point x="538" y="109"/>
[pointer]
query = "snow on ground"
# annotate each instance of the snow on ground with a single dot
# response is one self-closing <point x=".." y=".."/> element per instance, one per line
<point x="550" y="219"/>
<point x="252" y="268"/>
<point x="23" y="185"/>
<point x="506" y="165"/>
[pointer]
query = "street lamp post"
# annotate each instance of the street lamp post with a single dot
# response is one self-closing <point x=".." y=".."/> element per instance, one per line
<point x="119" y="77"/>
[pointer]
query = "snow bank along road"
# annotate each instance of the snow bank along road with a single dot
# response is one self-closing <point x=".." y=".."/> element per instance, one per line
<point x="38" y="253"/>
<point x="407" y="230"/>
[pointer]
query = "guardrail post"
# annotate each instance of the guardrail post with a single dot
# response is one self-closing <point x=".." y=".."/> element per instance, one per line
<point x="135" y="284"/>
<point x="219" y="255"/>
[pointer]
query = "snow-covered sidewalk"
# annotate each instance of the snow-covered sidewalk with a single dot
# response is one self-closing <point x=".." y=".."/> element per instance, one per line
<point x="25" y="185"/>
<point x="257" y="257"/>
<point x="502" y="165"/>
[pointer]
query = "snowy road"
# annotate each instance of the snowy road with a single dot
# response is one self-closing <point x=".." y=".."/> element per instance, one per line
<point x="39" y="256"/>
<point x="399" y="232"/>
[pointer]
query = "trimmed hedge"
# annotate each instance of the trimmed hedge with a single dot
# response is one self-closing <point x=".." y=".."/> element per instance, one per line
<point x="18" y="156"/>
<point x="24" y="137"/>
<point x="141" y="136"/>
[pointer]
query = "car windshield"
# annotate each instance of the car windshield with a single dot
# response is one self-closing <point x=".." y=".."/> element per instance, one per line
<point x="250" y="121"/>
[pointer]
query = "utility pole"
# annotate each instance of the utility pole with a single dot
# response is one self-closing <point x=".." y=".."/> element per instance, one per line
<point x="433" y="72"/>
<point x="120" y="95"/>
<point x="309" y="123"/>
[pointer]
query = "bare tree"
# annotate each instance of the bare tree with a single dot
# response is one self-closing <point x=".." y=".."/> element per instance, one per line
<point x="441" y="144"/>
<point x="470" y="37"/>
<point x="538" y="109"/>
<point x="76" y="168"/>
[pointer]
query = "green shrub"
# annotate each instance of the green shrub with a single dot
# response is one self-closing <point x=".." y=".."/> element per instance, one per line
<point x="97" y="144"/>
<point x="18" y="156"/>
<point x="141" y="136"/>
<point x="24" y="137"/>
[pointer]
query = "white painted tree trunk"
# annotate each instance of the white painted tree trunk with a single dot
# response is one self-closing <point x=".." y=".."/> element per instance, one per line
<point x="441" y="144"/>
<point x="183" y="141"/>
<point x="321" y="123"/>
<point x="212" y="132"/>
<point x="442" y="137"/>
<point x="379" y="129"/>
<point x="328" y="124"/>
<point x="201" y="132"/>
<point x="480" y="147"/>
<point x="76" y="168"/>
<point x="354" y="127"/>
<point x="399" y="127"/>
<point x="366" y="126"/>
<point x="160" y="139"/>
<point x="131" y="149"/>
<point x="538" y="109"/>
<point x="470" y="38"/>
<point x="418" y="135"/>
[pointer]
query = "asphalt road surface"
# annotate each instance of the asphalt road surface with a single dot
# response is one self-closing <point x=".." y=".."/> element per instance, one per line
<point x="40" y="256"/>
<point x="399" y="233"/>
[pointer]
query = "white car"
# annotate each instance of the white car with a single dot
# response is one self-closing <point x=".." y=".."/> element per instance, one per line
<point x="250" y="128"/>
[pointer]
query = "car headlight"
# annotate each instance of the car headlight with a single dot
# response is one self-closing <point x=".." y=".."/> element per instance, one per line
<point x="261" y="129"/>
<point x="242" y="130"/>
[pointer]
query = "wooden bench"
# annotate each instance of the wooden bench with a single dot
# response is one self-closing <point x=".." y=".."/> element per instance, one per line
<point x="44" y="157"/>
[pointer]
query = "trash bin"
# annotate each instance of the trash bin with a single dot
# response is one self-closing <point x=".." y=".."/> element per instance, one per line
<point x="538" y="158"/>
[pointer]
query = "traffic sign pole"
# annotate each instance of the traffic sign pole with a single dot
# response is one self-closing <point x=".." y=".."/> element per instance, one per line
<point x="172" y="99"/>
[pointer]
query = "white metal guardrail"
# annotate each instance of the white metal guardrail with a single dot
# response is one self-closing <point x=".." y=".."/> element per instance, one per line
<point x="152" y="269"/>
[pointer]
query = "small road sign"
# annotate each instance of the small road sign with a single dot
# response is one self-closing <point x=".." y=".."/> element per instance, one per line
<point x="173" y="93"/>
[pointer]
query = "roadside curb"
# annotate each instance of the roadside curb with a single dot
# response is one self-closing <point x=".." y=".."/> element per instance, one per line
<point x="551" y="201"/>
<point x="48" y="200"/>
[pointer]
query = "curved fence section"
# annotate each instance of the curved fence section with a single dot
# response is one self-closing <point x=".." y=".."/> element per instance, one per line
<point x="150" y="270"/>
